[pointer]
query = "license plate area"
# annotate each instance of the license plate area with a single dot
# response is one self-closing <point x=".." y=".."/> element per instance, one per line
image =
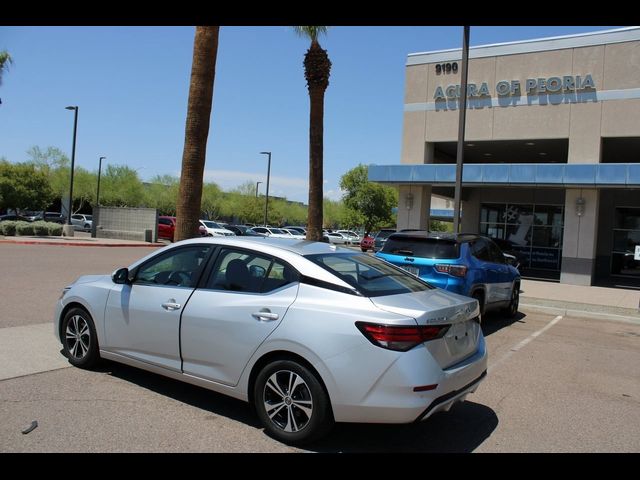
<point x="411" y="269"/>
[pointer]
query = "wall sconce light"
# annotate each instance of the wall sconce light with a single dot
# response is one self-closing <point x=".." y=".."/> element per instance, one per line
<point x="580" y="203"/>
<point x="408" y="201"/>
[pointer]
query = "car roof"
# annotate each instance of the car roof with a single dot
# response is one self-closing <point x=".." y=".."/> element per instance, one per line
<point x="452" y="237"/>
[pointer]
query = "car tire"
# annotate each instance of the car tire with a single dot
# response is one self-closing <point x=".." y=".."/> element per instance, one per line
<point x="293" y="417"/>
<point x="364" y="250"/>
<point x="512" y="310"/>
<point x="79" y="339"/>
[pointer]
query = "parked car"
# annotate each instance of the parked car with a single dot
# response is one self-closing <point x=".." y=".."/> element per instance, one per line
<point x="337" y="238"/>
<point x="307" y="332"/>
<point x="366" y="243"/>
<point x="55" y="217"/>
<point x="271" y="232"/>
<point x="166" y="227"/>
<point x="82" y="222"/>
<point x="381" y="237"/>
<point x="294" y="233"/>
<point x="352" y="236"/>
<point x="243" y="230"/>
<point x="467" y="264"/>
<point x="214" y="229"/>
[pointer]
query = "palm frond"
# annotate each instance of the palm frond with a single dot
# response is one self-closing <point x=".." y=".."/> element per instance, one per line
<point x="310" y="32"/>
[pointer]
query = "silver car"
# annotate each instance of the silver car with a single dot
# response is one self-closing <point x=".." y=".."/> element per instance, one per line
<point x="309" y="333"/>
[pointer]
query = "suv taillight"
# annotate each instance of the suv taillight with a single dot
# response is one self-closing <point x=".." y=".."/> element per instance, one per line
<point x="454" y="270"/>
<point x="400" y="338"/>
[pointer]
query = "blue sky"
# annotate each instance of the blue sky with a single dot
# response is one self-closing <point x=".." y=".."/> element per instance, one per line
<point x="131" y="86"/>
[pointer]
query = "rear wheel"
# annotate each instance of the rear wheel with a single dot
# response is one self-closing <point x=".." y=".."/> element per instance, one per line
<point x="512" y="309"/>
<point x="291" y="403"/>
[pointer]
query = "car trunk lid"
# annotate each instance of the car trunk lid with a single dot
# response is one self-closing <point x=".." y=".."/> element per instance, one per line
<point x="437" y="307"/>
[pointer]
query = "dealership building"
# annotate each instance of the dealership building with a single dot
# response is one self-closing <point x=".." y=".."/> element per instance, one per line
<point x="551" y="151"/>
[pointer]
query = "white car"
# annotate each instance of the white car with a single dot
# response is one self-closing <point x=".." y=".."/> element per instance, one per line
<point x="338" y="238"/>
<point x="271" y="232"/>
<point x="353" y="237"/>
<point x="294" y="233"/>
<point x="215" y="230"/>
<point x="82" y="222"/>
<point x="308" y="333"/>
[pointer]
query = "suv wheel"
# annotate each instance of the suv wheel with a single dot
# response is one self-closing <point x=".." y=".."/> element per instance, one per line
<point x="512" y="309"/>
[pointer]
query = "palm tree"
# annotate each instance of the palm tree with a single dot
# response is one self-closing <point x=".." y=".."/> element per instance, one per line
<point x="203" y="72"/>
<point x="317" y="68"/>
<point x="5" y="61"/>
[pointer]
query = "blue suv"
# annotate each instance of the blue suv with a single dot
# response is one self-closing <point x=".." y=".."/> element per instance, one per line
<point x="467" y="264"/>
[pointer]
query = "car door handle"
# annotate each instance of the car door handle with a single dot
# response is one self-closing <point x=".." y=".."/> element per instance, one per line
<point x="171" y="306"/>
<point x="265" y="315"/>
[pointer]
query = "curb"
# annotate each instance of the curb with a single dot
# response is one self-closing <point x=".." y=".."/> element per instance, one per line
<point x="568" y="312"/>
<point x="80" y="244"/>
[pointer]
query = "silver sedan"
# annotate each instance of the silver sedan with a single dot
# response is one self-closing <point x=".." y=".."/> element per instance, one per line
<point x="309" y="333"/>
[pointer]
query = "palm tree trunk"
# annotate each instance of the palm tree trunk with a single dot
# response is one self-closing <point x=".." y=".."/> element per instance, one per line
<point x="203" y="71"/>
<point x="316" y="177"/>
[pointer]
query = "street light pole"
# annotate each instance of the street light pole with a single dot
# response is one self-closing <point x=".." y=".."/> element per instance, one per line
<point x="257" y="183"/>
<point x="99" y="170"/>
<point x="266" y="203"/>
<point x="73" y="161"/>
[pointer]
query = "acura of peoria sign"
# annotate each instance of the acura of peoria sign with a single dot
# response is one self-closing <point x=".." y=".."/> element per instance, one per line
<point x="530" y="86"/>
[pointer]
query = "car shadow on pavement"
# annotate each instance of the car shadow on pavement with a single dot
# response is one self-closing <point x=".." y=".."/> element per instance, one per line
<point x="461" y="430"/>
<point x="210" y="401"/>
<point x="495" y="321"/>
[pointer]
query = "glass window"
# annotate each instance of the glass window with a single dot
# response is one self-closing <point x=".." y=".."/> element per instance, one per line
<point x="519" y="214"/>
<point x="480" y="250"/>
<point x="243" y="271"/>
<point x="493" y="230"/>
<point x="547" y="237"/>
<point x="492" y="213"/>
<point x="369" y="275"/>
<point x="495" y="253"/>
<point x="627" y="218"/>
<point x="421" y="247"/>
<point x="548" y="215"/>
<point x="178" y="268"/>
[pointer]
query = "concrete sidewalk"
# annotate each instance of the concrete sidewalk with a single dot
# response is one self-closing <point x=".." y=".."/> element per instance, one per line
<point x="580" y="301"/>
<point x="77" y="241"/>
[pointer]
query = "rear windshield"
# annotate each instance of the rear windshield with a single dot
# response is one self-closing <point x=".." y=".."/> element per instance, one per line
<point x="385" y="233"/>
<point x="421" y="247"/>
<point x="370" y="276"/>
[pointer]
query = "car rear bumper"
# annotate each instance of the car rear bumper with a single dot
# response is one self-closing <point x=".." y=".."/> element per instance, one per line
<point x="392" y="398"/>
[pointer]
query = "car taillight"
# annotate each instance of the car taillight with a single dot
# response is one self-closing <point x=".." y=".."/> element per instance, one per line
<point x="400" y="338"/>
<point x="454" y="270"/>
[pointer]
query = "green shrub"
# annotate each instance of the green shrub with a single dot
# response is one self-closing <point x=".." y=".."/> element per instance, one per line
<point x="41" y="228"/>
<point x="8" y="228"/>
<point x="24" y="228"/>
<point x="55" y="229"/>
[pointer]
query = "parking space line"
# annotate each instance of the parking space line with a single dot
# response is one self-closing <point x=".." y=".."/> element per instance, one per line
<point x="524" y="342"/>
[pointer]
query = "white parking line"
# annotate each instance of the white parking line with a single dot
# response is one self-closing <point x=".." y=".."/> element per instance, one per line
<point x="29" y="349"/>
<point x="524" y="342"/>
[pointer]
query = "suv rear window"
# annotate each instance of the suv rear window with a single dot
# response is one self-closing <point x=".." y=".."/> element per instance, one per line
<point x="422" y="247"/>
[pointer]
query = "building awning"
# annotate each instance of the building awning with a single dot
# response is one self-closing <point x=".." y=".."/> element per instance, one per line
<point x="562" y="175"/>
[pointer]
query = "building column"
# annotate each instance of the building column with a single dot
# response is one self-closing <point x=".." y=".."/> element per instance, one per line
<point x="581" y="210"/>
<point x="414" y="206"/>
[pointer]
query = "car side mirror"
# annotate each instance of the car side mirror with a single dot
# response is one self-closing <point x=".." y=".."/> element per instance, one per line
<point x="511" y="260"/>
<point x="121" y="276"/>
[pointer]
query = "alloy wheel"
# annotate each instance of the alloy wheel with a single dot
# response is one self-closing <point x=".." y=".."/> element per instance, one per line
<point x="78" y="336"/>
<point x="288" y="401"/>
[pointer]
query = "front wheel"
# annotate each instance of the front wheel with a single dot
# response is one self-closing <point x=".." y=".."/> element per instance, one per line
<point x="291" y="403"/>
<point x="79" y="339"/>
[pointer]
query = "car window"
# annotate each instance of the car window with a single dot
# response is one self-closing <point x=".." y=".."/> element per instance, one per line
<point x="245" y="271"/>
<point x="178" y="267"/>
<point x="370" y="276"/>
<point x="480" y="250"/>
<point x="421" y="247"/>
<point x="495" y="252"/>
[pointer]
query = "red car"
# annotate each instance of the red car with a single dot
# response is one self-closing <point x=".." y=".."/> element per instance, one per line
<point x="366" y="243"/>
<point x="166" y="227"/>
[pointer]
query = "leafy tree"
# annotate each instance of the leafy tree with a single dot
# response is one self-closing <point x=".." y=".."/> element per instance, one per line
<point x="121" y="187"/>
<point x="372" y="201"/>
<point x="162" y="193"/>
<point x="317" y="69"/>
<point x="211" y="204"/>
<point x="23" y="187"/>
<point x="203" y="72"/>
